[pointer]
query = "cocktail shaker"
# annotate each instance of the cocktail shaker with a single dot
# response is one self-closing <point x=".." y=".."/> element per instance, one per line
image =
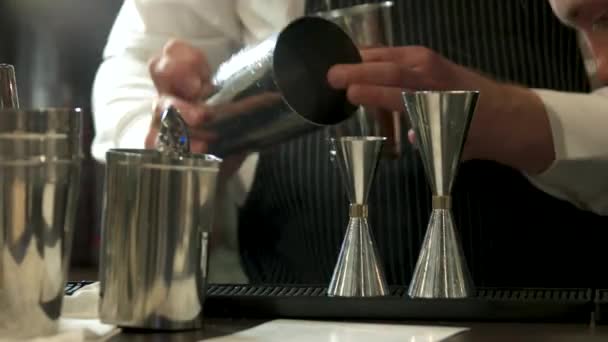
<point x="278" y="89"/>
<point x="157" y="214"/>
<point x="40" y="157"/>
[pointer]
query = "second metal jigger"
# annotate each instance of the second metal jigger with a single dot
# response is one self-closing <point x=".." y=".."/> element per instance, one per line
<point x="441" y="121"/>
<point x="358" y="272"/>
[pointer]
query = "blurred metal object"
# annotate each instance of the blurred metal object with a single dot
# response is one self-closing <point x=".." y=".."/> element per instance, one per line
<point x="278" y="89"/>
<point x="173" y="134"/>
<point x="441" y="121"/>
<point x="358" y="272"/>
<point x="369" y="25"/>
<point x="157" y="213"/>
<point x="9" y="98"/>
<point x="40" y="162"/>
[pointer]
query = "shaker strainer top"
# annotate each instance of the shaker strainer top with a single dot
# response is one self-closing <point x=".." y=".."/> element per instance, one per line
<point x="173" y="134"/>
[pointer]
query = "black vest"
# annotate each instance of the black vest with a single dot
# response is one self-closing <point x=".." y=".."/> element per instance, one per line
<point x="513" y="234"/>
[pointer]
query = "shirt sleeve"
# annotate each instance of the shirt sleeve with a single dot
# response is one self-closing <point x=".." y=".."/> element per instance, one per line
<point x="123" y="91"/>
<point x="579" y="124"/>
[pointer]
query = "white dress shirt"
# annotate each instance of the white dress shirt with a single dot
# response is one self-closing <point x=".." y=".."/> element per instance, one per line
<point x="123" y="93"/>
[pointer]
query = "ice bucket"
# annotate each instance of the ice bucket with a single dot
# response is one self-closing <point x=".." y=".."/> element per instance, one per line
<point x="40" y="156"/>
<point x="157" y="215"/>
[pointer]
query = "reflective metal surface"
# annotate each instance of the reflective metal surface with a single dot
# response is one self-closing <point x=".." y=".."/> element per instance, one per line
<point x="9" y="98"/>
<point x="158" y="211"/>
<point x="278" y="89"/>
<point x="40" y="156"/>
<point x="358" y="272"/>
<point x="173" y="133"/>
<point x="369" y="25"/>
<point x="441" y="121"/>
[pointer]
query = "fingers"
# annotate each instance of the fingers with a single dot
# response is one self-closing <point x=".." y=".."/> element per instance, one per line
<point x="411" y="56"/>
<point x="181" y="70"/>
<point x="387" y="98"/>
<point x="411" y="67"/>
<point x="376" y="73"/>
<point x="194" y="115"/>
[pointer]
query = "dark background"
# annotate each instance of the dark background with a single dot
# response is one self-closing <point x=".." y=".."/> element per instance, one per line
<point x="56" y="47"/>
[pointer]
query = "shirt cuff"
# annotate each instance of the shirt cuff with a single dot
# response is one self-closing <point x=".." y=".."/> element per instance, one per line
<point x="580" y="152"/>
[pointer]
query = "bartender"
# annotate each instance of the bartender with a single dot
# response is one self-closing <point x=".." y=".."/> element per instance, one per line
<point x="528" y="202"/>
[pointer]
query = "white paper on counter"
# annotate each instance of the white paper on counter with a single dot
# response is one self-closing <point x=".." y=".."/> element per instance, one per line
<point x="89" y="328"/>
<point x="82" y="304"/>
<point x="75" y="330"/>
<point x="306" y="331"/>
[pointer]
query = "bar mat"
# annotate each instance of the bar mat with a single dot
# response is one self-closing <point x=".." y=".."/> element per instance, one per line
<point x="601" y="306"/>
<point x="72" y="286"/>
<point x="311" y="302"/>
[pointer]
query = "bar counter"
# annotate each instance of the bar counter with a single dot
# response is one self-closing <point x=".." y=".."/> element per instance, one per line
<point x="479" y="331"/>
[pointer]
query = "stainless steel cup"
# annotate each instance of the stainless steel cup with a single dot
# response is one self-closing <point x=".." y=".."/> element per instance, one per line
<point x="40" y="155"/>
<point x="369" y="25"/>
<point x="278" y="90"/>
<point x="157" y="214"/>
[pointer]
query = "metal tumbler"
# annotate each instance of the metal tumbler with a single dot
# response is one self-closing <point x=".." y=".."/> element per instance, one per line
<point x="157" y="215"/>
<point x="369" y="25"/>
<point x="278" y="90"/>
<point x="40" y="157"/>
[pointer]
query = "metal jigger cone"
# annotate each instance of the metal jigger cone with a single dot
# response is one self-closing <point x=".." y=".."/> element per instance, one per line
<point x="358" y="272"/>
<point x="441" y="121"/>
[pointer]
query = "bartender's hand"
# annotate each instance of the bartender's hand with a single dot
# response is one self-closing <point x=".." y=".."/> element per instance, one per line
<point x="182" y="77"/>
<point x="510" y="124"/>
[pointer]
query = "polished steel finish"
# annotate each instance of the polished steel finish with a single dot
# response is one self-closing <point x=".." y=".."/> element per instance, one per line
<point x="369" y="25"/>
<point x="441" y="121"/>
<point x="157" y="214"/>
<point x="9" y="98"/>
<point x="278" y="90"/>
<point x="358" y="272"/>
<point x="40" y="161"/>
<point x="173" y="134"/>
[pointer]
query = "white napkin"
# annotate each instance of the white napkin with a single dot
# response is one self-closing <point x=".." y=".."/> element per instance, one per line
<point x="304" y="331"/>
<point x="79" y="319"/>
<point x="82" y="304"/>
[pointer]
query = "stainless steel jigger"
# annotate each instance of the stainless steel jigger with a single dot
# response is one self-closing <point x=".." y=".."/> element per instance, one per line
<point x="441" y="121"/>
<point x="358" y="272"/>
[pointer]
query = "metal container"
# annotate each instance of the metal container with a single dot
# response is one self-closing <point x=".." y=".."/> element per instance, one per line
<point x="278" y="89"/>
<point x="368" y="25"/>
<point x="157" y="215"/>
<point x="9" y="98"/>
<point x="40" y="157"/>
